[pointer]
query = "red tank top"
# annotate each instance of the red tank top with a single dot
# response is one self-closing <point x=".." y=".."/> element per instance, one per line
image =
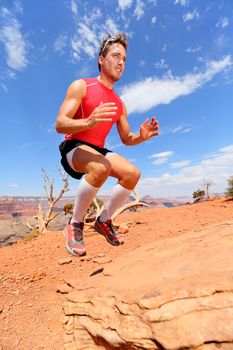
<point x="96" y="92"/>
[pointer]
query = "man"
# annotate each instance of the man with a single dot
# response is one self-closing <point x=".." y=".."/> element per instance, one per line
<point x="86" y="116"/>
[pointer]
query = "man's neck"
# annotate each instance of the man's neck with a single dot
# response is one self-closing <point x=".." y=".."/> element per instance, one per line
<point x="105" y="81"/>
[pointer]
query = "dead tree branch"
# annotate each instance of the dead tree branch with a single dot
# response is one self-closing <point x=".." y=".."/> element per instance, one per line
<point x="131" y="205"/>
<point x="43" y="218"/>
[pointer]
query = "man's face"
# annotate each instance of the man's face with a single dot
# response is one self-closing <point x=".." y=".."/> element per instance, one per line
<point x="113" y="64"/>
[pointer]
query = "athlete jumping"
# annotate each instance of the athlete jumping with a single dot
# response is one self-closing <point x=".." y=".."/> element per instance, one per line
<point x="86" y="116"/>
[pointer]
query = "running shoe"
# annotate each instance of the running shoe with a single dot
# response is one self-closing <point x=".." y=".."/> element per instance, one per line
<point x="107" y="230"/>
<point x="74" y="239"/>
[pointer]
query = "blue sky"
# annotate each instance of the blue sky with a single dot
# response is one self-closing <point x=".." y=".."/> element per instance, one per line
<point x="179" y="68"/>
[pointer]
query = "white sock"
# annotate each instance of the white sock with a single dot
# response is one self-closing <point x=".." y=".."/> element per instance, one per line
<point x="117" y="199"/>
<point x="85" y="195"/>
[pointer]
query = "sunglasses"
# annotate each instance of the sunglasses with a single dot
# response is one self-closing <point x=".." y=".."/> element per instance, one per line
<point x="111" y="39"/>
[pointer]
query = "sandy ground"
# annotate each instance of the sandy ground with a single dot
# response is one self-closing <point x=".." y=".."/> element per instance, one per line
<point x="31" y="272"/>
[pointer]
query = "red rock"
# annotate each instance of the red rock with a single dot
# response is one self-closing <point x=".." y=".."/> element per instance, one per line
<point x="63" y="288"/>
<point x="102" y="260"/>
<point x="123" y="229"/>
<point x="176" y="293"/>
<point x="64" y="261"/>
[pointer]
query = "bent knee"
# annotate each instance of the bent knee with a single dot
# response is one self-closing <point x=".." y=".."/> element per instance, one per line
<point x="100" y="171"/>
<point x="132" y="175"/>
<point x="136" y="174"/>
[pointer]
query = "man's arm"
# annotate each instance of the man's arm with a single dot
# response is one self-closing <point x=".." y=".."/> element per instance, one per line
<point x="147" y="130"/>
<point x="65" y="123"/>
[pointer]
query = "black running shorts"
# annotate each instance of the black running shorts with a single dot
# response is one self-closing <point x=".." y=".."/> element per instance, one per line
<point x="67" y="146"/>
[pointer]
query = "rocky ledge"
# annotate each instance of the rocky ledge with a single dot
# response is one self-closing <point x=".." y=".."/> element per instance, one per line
<point x="172" y="294"/>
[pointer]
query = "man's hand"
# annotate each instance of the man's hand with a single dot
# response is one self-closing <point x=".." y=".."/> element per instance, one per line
<point x="101" y="114"/>
<point x="149" y="128"/>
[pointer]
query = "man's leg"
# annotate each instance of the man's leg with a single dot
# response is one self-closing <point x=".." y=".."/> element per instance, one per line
<point x="84" y="196"/>
<point x="97" y="169"/>
<point x="118" y="196"/>
<point x="128" y="176"/>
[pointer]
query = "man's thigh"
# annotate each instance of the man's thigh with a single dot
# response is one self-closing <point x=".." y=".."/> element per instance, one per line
<point x="85" y="158"/>
<point x="119" y="165"/>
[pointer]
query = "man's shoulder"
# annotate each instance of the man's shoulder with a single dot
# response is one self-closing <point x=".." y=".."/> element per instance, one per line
<point x="83" y="81"/>
<point x="80" y="86"/>
<point x="89" y="81"/>
<point x="77" y="87"/>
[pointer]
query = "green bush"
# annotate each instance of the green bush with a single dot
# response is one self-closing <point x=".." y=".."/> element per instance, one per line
<point x="32" y="234"/>
<point x="68" y="208"/>
<point x="229" y="190"/>
<point x="198" y="194"/>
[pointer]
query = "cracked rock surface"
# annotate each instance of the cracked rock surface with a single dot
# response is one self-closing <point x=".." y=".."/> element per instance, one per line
<point x="161" y="280"/>
<point x="171" y="294"/>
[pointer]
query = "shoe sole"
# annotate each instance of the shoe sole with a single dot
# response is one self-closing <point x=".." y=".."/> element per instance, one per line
<point x="98" y="229"/>
<point x="72" y="251"/>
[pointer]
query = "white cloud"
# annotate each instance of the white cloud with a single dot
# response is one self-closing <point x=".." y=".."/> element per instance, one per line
<point x="218" y="168"/>
<point x="164" y="48"/>
<point x="192" y="49"/>
<point x="85" y="40"/>
<point x="223" y="22"/>
<point x="191" y="15"/>
<point x="159" y="161"/>
<point x="111" y="26"/>
<point x="13" y="41"/>
<point x="74" y="7"/>
<point x="161" y="64"/>
<point x="12" y="75"/>
<point x="153" y="2"/>
<point x="139" y="96"/>
<point x="222" y="42"/>
<point x="52" y="129"/>
<point x="154" y="20"/>
<point x="176" y="129"/>
<point x="186" y="130"/>
<point x="124" y="4"/>
<point x="139" y="9"/>
<point x="160" y="158"/>
<point x="18" y="6"/>
<point x="164" y="154"/>
<point x="86" y="32"/>
<point x="180" y="129"/>
<point x="4" y="87"/>
<point x="181" y="2"/>
<point x="13" y="185"/>
<point x="181" y="164"/>
<point x="61" y="43"/>
<point x="90" y="29"/>
<point x="227" y="149"/>
<point x="92" y="17"/>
